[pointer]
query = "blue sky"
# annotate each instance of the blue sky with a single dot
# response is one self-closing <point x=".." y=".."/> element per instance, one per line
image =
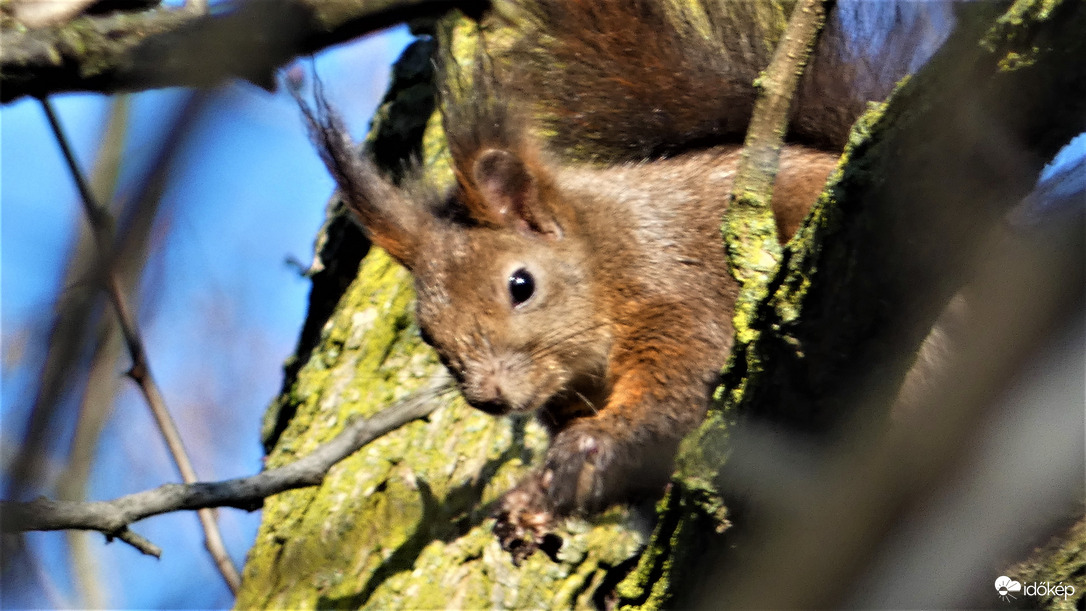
<point x="218" y="303"/>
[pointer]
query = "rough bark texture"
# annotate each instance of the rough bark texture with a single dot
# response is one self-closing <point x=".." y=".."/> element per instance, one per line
<point x="403" y="524"/>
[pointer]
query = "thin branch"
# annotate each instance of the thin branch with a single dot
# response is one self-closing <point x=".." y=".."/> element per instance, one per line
<point x="137" y="541"/>
<point x="113" y="517"/>
<point x="182" y="47"/>
<point x="750" y="230"/>
<point x="101" y="223"/>
<point x="102" y="383"/>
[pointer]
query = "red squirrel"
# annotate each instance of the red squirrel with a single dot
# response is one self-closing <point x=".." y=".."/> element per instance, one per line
<point x="595" y="293"/>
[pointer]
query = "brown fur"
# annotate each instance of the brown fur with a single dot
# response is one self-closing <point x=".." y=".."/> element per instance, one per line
<point x="629" y="317"/>
<point x="686" y="75"/>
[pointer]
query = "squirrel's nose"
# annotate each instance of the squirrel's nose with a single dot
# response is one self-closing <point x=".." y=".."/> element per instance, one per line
<point x="494" y="408"/>
<point x="486" y="392"/>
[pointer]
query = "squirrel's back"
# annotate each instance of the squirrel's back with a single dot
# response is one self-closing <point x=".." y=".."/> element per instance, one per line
<point x="617" y="80"/>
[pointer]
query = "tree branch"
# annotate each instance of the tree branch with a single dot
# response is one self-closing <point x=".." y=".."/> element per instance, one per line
<point x="112" y="518"/>
<point x="167" y="47"/>
<point x="930" y="175"/>
<point x="750" y="231"/>
<point x="101" y="224"/>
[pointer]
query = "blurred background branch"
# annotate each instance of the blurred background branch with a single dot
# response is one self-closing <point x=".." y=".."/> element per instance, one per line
<point x="171" y="47"/>
<point x="102" y="223"/>
<point x="96" y="404"/>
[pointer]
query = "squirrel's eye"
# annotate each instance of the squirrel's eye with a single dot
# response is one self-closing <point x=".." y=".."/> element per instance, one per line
<point x="521" y="286"/>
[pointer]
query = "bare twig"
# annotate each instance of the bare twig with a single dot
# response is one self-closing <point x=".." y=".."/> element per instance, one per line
<point x="181" y="47"/>
<point x="79" y="309"/>
<point x="101" y="223"/>
<point x="137" y="541"/>
<point x="102" y="384"/>
<point x="113" y="517"/>
<point x="750" y="230"/>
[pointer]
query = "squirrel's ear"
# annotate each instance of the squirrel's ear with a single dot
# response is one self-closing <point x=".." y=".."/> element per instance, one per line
<point x="512" y="194"/>
<point x="385" y="213"/>
<point x="387" y="216"/>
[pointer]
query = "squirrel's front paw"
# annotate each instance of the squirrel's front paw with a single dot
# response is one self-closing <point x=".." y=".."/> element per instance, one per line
<point x="524" y="520"/>
<point x="576" y="467"/>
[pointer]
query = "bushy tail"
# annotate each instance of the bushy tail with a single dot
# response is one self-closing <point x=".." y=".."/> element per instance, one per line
<point x="629" y="79"/>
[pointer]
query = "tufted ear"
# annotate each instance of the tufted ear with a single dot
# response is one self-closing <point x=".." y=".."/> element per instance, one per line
<point x="390" y="219"/>
<point x="386" y="214"/>
<point x="513" y="195"/>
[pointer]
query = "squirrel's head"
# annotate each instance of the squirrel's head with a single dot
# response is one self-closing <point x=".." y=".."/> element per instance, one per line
<point x="505" y="293"/>
<point x="511" y="316"/>
<point x="502" y="272"/>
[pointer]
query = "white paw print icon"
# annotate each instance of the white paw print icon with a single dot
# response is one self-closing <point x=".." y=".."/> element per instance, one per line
<point x="1005" y="585"/>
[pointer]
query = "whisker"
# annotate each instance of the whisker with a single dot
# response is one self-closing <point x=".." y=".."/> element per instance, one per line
<point x="557" y="336"/>
<point x="590" y="405"/>
<point x="553" y="340"/>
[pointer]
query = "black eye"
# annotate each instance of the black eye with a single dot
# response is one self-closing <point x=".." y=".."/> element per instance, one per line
<point x="521" y="286"/>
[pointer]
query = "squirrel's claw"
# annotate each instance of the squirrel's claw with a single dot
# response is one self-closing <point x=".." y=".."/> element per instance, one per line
<point x="524" y="521"/>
